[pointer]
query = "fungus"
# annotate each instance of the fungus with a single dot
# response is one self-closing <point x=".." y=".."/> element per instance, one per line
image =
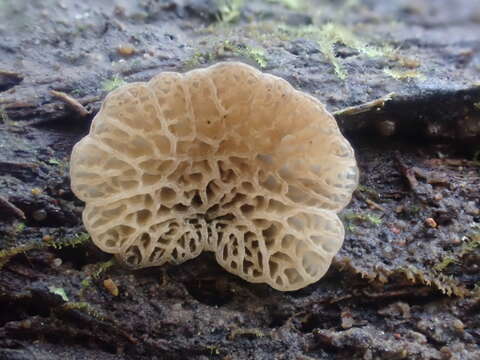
<point x="224" y="159"/>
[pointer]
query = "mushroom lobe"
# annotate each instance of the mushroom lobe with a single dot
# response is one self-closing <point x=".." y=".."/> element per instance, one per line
<point x="224" y="159"/>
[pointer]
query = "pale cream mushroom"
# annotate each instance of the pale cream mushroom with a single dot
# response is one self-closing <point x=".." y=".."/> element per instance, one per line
<point x="224" y="159"/>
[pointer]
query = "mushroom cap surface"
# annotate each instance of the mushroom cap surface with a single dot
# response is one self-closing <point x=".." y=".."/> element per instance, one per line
<point x="224" y="159"/>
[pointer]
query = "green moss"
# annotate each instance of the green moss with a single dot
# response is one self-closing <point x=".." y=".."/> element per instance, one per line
<point x="471" y="244"/>
<point x="83" y="307"/>
<point x="444" y="263"/>
<point x="103" y="266"/>
<point x="455" y="257"/>
<point x="58" y="291"/>
<point x="229" y="10"/>
<point x="369" y="191"/>
<point x="87" y="282"/>
<point x="362" y="218"/>
<point x="54" y="161"/>
<point x="20" y="227"/>
<point x="4" y="116"/>
<point x="255" y="54"/>
<point x="329" y="35"/>
<point x="213" y="350"/>
<point x="413" y="210"/>
<point x="223" y="48"/>
<point x="373" y="219"/>
<point x="195" y="60"/>
<point x="100" y="268"/>
<point x="113" y="83"/>
<point x="446" y="284"/>
<point x="61" y="164"/>
<point x="404" y="74"/>
<point x="77" y="93"/>
<point x="246" y="332"/>
<point x="7" y="254"/>
<point x="136" y="63"/>
<point x="291" y="4"/>
<point x="350" y="228"/>
<point x="78" y="239"/>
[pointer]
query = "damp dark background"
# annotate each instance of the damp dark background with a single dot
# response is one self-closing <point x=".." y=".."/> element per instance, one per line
<point x="402" y="78"/>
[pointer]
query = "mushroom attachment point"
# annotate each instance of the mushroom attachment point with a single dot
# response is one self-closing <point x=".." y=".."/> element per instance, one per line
<point x="224" y="159"/>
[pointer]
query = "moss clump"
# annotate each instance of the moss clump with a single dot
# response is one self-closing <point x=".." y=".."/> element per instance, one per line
<point x="255" y="54"/>
<point x="404" y="74"/>
<point x="100" y="268"/>
<point x="444" y="283"/>
<point x="4" y="116"/>
<point x="83" y="307"/>
<point x="445" y="263"/>
<point x="223" y="48"/>
<point x="196" y="59"/>
<point x="329" y="35"/>
<point x="213" y="350"/>
<point x="447" y="284"/>
<point x="369" y="191"/>
<point x="113" y="83"/>
<point x="290" y="4"/>
<point x="20" y="227"/>
<point x="54" y="161"/>
<point x="229" y="10"/>
<point x="362" y="218"/>
<point x="58" y="291"/>
<point x="470" y="245"/>
<point x="7" y="254"/>
<point x="78" y="239"/>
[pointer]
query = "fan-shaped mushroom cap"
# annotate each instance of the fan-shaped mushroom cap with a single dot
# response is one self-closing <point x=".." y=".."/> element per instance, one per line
<point x="224" y="159"/>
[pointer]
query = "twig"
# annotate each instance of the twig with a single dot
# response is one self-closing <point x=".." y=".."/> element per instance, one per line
<point x="430" y="176"/>
<point x="245" y="331"/>
<point x="71" y="102"/>
<point x="17" y="169"/>
<point x="370" y="202"/>
<point x="452" y="162"/>
<point x="7" y="205"/>
<point x="12" y="75"/>
<point x="340" y="298"/>
<point x="359" y="109"/>
<point x="8" y="165"/>
<point x="7" y="254"/>
<point x="406" y="171"/>
<point x="16" y="105"/>
<point x="416" y="291"/>
<point x="374" y="204"/>
<point x="89" y="99"/>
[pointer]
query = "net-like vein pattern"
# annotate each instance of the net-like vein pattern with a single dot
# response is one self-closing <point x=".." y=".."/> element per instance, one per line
<point x="224" y="159"/>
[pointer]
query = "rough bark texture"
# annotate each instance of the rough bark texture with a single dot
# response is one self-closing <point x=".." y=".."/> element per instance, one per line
<point x="406" y="282"/>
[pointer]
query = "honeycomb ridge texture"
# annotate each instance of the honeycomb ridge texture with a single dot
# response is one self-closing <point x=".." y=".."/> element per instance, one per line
<point x="224" y="159"/>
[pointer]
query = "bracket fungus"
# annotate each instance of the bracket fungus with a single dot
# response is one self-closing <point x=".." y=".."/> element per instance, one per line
<point x="224" y="159"/>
